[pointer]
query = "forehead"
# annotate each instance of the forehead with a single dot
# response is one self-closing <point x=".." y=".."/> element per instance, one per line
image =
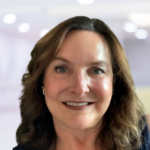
<point x="85" y="46"/>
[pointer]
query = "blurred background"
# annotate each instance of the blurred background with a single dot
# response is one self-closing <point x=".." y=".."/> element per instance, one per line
<point x="24" y="22"/>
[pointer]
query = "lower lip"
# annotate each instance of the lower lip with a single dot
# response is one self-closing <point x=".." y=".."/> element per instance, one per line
<point x="78" y="107"/>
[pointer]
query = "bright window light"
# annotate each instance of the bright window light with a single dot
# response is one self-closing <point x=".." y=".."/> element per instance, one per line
<point x="130" y="27"/>
<point x="85" y="2"/>
<point x="141" y="34"/>
<point x="141" y="19"/>
<point x="9" y="18"/>
<point x="43" y="32"/>
<point x="23" y="27"/>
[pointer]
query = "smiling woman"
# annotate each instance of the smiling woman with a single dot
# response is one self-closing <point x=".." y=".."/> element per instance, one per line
<point x="79" y="94"/>
<point x="78" y="79"/>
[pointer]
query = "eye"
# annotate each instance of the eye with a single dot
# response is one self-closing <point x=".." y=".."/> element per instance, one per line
<point x="96" y="71"/>
<point x="61" y="69"/>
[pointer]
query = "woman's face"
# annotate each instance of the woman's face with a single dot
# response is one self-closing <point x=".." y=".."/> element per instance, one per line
<point x="78" y="82"/>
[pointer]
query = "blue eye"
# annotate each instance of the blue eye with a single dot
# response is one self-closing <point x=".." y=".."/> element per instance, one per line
<point x="96" y="71"/>
<point x="61" y="69"/>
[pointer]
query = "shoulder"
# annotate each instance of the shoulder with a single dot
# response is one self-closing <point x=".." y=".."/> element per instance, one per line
<point x="22" y="147"/>
<point x="19" y="148"/>
<point x="148" y="120"/>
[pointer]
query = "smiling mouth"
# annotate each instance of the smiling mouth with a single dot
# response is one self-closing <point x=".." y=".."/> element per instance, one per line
<point x="78" y="104"/>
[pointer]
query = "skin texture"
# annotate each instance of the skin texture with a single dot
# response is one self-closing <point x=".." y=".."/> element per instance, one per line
<point x="82" y="71"/>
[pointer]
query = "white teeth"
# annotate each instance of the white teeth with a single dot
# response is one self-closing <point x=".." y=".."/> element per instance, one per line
<point x="76" y="104"/>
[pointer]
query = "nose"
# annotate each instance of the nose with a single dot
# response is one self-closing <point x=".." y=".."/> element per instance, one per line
<point x="79" y="85"/>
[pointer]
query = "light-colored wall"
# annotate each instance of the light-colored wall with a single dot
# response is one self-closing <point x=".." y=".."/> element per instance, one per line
<point x="144" y="95"/>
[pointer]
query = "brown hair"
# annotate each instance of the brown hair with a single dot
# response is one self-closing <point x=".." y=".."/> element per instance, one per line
<point x="124" y="118"/>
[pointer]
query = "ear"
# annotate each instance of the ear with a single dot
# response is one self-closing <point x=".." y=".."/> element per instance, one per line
<point x="43" y="90"/>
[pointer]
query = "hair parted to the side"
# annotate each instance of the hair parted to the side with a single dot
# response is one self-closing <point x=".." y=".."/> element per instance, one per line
<point x="123" y="121"/>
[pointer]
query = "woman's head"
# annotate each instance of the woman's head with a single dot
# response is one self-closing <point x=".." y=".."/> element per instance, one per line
<point x="37" y="121"/>
<point x="80" y="74"/>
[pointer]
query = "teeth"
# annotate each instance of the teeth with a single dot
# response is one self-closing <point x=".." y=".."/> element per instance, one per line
<point x="76" y="104"/>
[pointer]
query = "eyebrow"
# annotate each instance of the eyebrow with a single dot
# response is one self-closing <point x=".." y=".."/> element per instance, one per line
<point x="62" y="59"/>
<point x="102" y="63"/>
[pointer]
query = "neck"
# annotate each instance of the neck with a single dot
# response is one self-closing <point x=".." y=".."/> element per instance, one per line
<point x="76" y="139"/>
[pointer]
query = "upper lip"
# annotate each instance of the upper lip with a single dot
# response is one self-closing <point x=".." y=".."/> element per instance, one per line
<point x="79" y="101"/>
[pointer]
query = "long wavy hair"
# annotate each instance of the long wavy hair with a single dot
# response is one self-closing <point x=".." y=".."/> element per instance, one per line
<point x="123" y="121"/>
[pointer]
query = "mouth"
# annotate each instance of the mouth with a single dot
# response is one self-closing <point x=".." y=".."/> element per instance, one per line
<point x="78" y="105"/>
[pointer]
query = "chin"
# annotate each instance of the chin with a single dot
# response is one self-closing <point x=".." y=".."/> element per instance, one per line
<point x="82" y="123"/>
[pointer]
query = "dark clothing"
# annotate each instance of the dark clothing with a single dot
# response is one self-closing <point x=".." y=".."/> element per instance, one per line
<point x="145" y="141"/>
<point x="23" y="147"/>
<point x="19" y="147"/>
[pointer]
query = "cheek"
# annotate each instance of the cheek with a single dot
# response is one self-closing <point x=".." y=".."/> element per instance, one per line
<point x="102" y="89"/>
<point x="53" y="88"/>
<point x="52" y="94"/>
<point x="103" y="92"/>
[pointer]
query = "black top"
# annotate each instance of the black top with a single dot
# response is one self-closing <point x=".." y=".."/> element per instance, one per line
<point x="145" y="141"/>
